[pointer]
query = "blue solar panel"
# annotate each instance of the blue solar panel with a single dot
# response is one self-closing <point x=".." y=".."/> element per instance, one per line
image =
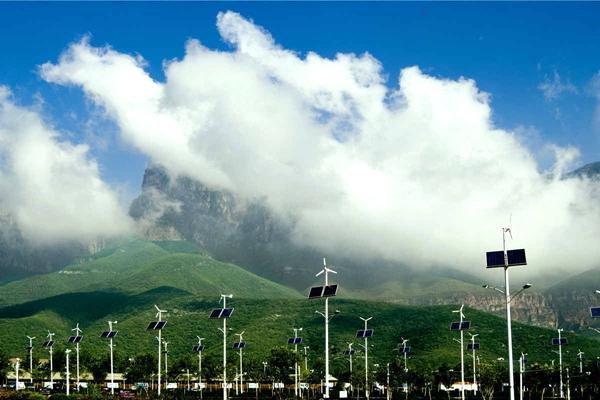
<point x="75" y="339"/>
<point x="151" y="325"/>
<point x="239" y="345"/>
<point x="556" y="342"/>
<point x="296" y="340"/>
<point x="406" y="349"/>
<point x="516" y="257"/>
<point x="197" y="348"/>
<point x="369" y="333"/>
<point x="348" y="352"/>
<point x="160" y="324"/>
<point x="48" y="343"/>
<point x="226" y="313"/>
<point x="471" y="346"/>
<point x="595" y="312"/>
<point x="465" y="325"/>
<point x="455" y="326"/>
<point x="360" y="333"/>
<point x="215" y="313"/>
<point x="495" y="259"/>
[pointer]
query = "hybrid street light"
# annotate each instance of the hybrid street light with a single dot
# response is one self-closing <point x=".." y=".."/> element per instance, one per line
<point x="327" y="291"/>
<point x="49" y="344"/>
<point x="240" y="346"/>
<point x="158" y="326"/>
<point x="560" y="342"/>
<point x="405" y="350"/>
<point x="110" y="334"/>
<point x="223" y="313"/>
<point x="366" y="334"/>
<point x="473" y="346"/>
<point x="505" y="259"/>
<point x="199" y="348"/>
<point x="306" y="357"/>
<point x="580" y="359"/>
<point x="67" y="352"/>
<point x="30" y="349"/>
<point x="76" y="339"/>
<point x="461" y="326"/>
<point x="295" y="340"/>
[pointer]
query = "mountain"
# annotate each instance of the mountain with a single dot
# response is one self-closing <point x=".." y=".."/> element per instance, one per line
<point x="591" y="170"/>
<point x="134" y="266"/>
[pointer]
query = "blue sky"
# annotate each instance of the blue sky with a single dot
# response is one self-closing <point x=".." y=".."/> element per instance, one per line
<point x="509" y="49"/>
<point x="271" y="105"/>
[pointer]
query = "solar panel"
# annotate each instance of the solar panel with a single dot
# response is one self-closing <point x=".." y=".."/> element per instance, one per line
<point x="226" y="313"/>
<point x="315" y="292"/>
<point x="465" y="325"/>
<point x="495" y="259"/>
<point x="215" y="313"/>
<point x="406" y="349"/>
<point x="516" y="257"/>
<point x="48" y="343"/>
<point x="348" y="352"/>
<point x="296" y="340"/>
<point x="595" y="312"/>
<point x="330" y="291"/>
<point x="556" y="342"/>
<point x="104" y="334"/>
<point x="197" y="348"/>
<point x="108" y="334"/>
<point x="239" y="345"/>
<point x="455" y="326"/>
<point x="471" y="346"/>
<point x="369" y="333"/>
<point x="360" y="333"/>
<point x="160" y="324"/>
<point x="151" y="325"/>
<point x="75" y="339"/>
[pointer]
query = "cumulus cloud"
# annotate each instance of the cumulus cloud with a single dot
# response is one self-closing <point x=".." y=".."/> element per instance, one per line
<point x="50" y="187"/>
<point x="417" y="173"/>
<point x="555" y="87"/>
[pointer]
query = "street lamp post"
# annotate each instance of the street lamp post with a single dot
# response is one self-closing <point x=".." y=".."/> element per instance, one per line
<point x="366" y="346"/>
<point x="30" y="348"/>
<point x="510" y="258"/>
<point x="17" y="362"/>
<point x="67" y="368"/>
<point x="474" y="373"/>
<point x="296" y="330"/>
<point x="521" y="372"/>
<point x="241" y="347"/>
<point x="560" y="362"/>
<point x="462" y="352"/>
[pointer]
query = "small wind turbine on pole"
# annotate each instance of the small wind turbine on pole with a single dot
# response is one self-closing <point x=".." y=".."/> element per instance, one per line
<point x="158" y="326"/>
<point x="49" y="344"/>
<point x="240" y="346"/>
<point x="461" y="326"/>
<point x="223" y="313"/>
<point x="30" y="349"/>
<point x="326" y="291"/>
<point x="110" y="334"/>
<point x="366" y="334"/>
<point x="199" y="348"/>
<point x="76" y="339"/>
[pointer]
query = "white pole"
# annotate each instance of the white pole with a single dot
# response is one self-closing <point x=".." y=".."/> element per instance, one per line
<point x="326" y="338"/>
<point x="30" y="358"/>
<point x="67" y="376"/>
<point x="17" y="374"/>
<point x="521" y="370"/>
<point x="50" y="338"/>
<point x="562" y="395"/>
<point x="580" y="355"/>
<point x="166" y="364"/>
<point x="112" y="374"/>
<point x="366" y="320"/>
<point x="241" y="363"/>
<point x="200" y="365"/>
<point x="462" y="362"/>
<point x="511" y="377"/>
<point x="159" y="338"/>
<point x="350" y="354"/>
<point x="387" y="392"/>
<point x="224" y="297"/>
<point x="77" y="333"/>
<point x="474" y="372"/>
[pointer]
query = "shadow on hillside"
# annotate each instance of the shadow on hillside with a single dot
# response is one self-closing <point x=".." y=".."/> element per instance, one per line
<point x="91" y="305"/>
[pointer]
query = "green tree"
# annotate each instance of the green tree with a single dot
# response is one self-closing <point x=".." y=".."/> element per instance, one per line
<point x="141" y="368"/>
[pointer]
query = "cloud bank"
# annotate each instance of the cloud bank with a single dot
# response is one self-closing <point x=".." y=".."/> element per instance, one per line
<point x="50" y="187"/>
<point x="417" y="173"/>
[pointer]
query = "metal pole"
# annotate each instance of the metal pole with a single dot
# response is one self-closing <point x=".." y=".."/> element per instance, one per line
<point x="462" y="360"/>
<point x="30" y="358"/>
<point x="159" y="338"/>
<point x="77" y="356"/>
<point x="350" y="353"/>
<point x="326" y="338"/>
<point x="580" y="355"/>
<point x="366" y="320"/>
<point x="224" y="350"/>
<point x="296" y="365"/>
<point x="166" y="364"/>
<point x="241" y="364"/>
<point x="562" y="395"/>
<point x="112" y="375"/>
<point x="68" y="384"/>
<point x="521" y="370"/>
<point x="50" y="336"/>
<point x="474" y="371"/>
<point x="17" y="374"/>
<point x="511" y="378"/>
<point x="387" y="392"/>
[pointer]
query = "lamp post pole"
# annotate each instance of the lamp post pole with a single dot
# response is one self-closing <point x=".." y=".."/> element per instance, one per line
<point x="67" y="374"/>
<point x="241" y="363"/>
<point x="200" y="365"/>
<point x="560" y="363"/>
<point x="30" y="358"/>
<point x="77" y="333"/>
<point x="474" y="373"/>
<point x="366" y="345"/>
<point x="50" y="339"/>
<point x="296" y="365"/>
<point x="326" y="272"/>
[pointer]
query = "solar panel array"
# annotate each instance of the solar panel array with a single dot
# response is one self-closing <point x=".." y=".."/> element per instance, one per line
<point x="156" y="325"/>
<point x="473" y="346"/>
<point x="361" y="333"/>
<point x="595" y="312"/>
<point x="296" y="340"/>
<point x="239" y="345"/>
<point x="561" y="342"/>
<point x="75" y="339"/>
<point x="348" y="352"/>
<point x="48" y="343"/>
<point x="108" y="334"/>
<point x="197" y="348"/>
<point x="457" y="326"/>
<point x="316" y="292"/>
<point x="219" y="313"/>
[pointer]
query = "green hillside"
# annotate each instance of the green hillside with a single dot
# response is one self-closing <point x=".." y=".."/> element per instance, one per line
<point x="135" y="266"/>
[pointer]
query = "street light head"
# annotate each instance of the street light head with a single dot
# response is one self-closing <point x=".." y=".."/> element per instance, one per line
<point x="527" y="285"/>
<point x="337" y="311"/>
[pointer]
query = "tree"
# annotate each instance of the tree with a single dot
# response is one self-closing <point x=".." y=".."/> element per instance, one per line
<point x="141" y="368"/>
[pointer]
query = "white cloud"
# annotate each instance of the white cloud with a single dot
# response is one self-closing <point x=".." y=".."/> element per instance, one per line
<point x="51" y="187"/>
<point x="417" y="174"/>
<point x="553" y="88"/>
